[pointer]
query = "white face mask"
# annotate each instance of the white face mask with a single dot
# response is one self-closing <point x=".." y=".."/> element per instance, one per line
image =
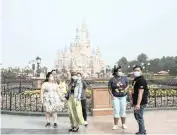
<point x="120" y="74"/>
<point x="74" y="77"/>
<point x="51" y="78"/>
<point x="137" y="73"/>
<point x="79" y="77"/>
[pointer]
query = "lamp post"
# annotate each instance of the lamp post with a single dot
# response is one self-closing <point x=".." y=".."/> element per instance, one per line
<point x="33" y="65"/>
<point x="38" y="60"/>
<point x="146" y="67"/>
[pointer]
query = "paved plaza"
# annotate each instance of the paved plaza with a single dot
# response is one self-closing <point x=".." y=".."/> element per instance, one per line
<point x="157" y="122"/>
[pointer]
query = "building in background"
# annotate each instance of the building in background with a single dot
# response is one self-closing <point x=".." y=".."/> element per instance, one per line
<point x="81" y="56"/>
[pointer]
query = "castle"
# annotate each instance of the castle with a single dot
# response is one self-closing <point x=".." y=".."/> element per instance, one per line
<point x="81" y="56"/>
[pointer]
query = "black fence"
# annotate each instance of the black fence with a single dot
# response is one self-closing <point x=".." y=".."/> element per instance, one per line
<point x="31" y="102"/>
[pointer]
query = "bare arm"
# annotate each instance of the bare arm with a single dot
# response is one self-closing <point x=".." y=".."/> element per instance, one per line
<point x="110" y="89"/>
<point x="127" y="85"/>
<point x="110" y="92"/>
<point x="126" y="89"/>
<point x="140" y="95"/>
<point x="58" y="91"/>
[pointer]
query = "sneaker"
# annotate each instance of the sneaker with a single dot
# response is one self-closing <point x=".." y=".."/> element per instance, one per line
<point x="55" y="125"/>
<point x="140" y="133"/>
<point x="85" y="123"/>
<point x="47" y="125"/>
<point x="115" y="127"/>
<point x="124" y="126"/>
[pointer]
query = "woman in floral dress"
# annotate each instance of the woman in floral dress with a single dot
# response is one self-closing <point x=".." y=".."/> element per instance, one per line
<point x="51" y="98"/>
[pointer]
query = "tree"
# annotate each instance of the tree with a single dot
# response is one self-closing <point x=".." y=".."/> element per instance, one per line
<point x="123" y="62"/>
<point x="142" y="58"/>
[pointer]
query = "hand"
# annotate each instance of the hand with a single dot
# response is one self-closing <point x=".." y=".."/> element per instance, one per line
<point x="137" y="107"/>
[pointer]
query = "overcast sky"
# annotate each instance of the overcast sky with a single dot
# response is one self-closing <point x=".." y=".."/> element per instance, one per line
<point x="32" y="28"/>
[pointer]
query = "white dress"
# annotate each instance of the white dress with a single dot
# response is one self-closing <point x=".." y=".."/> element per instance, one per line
<point x="52" y="100"/>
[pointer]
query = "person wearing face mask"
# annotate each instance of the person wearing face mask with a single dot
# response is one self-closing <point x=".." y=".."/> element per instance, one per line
<point x="74" y="103"/>
<point x="140" y="97"/>
<point x="54" y="74"/>
<point x="51" y="98"/>
<point x="118" y="86"/>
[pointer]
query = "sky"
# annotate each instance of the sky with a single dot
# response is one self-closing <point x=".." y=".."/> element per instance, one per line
<point x="31" y="28"/>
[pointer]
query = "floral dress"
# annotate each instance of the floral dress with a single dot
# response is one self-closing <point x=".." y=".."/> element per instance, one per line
<point x="52" y="101"/>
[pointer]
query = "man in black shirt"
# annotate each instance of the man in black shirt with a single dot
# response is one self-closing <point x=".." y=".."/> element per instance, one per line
<point x="140" y="98"/>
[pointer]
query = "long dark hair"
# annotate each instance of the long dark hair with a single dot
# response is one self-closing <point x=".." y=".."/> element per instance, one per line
<point x="47" y="77"/>
<point x="115" y="69"/>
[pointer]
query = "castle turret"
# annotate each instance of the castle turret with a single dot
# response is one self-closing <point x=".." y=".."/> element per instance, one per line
<point x="76" y="40"/>
<point x="98" y="53"/>
<point x="84" y="34"/>
<point x="71" y="46"/>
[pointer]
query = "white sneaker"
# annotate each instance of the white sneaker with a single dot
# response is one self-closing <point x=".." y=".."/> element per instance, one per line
<point x="115" y="127"/>
<point x="124" y="126"/>
<point x="85" y="123"/>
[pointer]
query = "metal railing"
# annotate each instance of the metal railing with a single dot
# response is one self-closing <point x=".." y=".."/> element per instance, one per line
<point x="31" y="102"/>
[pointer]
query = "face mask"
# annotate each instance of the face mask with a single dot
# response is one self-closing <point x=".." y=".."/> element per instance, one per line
<point x="137" y="74"/>
<point x="120" y="74"/>
<point x="79" y="77"/>
<point x="74" y="78"/>
<point x="51" y="78"/>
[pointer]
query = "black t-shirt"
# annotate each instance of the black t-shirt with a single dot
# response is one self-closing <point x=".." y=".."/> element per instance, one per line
<point x="140" y="83"/>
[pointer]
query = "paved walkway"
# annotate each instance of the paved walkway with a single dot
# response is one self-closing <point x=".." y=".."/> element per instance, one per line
<point x="157" y="122"/>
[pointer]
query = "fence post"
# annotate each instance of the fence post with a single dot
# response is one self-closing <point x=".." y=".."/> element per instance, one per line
<point x="10" y="101"/>
<point x="20" y="86"/>
<point x="42" y="108"/>
<point x="155" y="100"/>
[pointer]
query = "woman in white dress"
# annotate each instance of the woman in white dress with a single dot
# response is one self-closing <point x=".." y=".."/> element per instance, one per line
<point x="51" y="98"/>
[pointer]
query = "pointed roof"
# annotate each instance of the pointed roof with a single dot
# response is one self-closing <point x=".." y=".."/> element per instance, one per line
<point x="84" y="32"/>
<point x="76" y="40"/>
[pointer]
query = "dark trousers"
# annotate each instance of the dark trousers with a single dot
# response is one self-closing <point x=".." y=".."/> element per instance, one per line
<point x="84" y="109"/>
<point x="139" y="117"/>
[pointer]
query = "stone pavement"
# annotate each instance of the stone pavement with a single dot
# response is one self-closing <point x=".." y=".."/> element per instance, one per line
<point x="157" y="122"/>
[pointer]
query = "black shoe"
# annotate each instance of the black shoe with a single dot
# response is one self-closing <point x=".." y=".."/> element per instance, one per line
<point x="47" y="125"/>
<point x="55" y="125"/>
<point x="140" y="133"/>
<point x="75" y="129"/>
<point x="71" y="129"/>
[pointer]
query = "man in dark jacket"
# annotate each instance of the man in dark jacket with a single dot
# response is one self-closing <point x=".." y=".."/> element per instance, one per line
<point x="140" y="97"/>
<point x="83" y="100"/>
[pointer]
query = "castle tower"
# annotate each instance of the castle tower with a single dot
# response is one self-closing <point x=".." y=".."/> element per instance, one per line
<point x="84" y="34"/>
<point x="76" y="40"/>
<point x="98" y="53"/>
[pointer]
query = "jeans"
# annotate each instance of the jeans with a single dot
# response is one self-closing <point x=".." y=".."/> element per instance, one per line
<point x="139" y="117"/>
<point x="84" y="109"/>
<point x="119" y="106"/>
